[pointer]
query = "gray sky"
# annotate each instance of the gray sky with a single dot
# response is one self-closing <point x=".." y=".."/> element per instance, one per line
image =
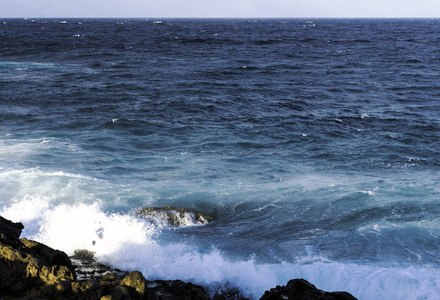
<point x="220" y="8"/>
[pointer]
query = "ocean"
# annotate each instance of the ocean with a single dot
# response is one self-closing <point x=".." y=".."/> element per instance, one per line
<point x="314" y="144"/>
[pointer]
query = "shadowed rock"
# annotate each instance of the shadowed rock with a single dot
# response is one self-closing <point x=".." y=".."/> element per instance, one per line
<point x="9" y="231"/>
<point x="28" y="265"/>
<point x="175" y="290"/>
<point x="300" y="289"/>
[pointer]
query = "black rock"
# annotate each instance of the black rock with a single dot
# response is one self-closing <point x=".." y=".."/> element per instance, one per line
<point x="10" y="231"/>
<point x="175" y="290"/>
<point x="301" y="289"/>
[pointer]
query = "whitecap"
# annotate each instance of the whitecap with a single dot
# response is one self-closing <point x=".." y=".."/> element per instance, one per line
<point x="128" y="243"/>
<point x="368" y="192"/>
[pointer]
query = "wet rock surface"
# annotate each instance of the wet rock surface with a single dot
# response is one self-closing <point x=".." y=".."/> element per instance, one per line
<point x="31" y="270"/>
<point x="173" y="216"/>
<point x="87" y="267"/>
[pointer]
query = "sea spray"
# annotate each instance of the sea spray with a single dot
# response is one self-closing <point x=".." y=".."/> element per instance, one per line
<point x="319" y="159"/>
<point x="128" y="243"/>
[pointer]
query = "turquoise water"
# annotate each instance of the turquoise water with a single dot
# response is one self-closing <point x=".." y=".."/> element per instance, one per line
<point x="312" y="143"/>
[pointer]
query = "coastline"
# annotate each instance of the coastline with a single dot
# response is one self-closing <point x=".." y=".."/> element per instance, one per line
<point x="31" y="270"/>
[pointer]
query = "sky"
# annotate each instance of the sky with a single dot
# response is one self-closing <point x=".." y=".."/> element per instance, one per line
<point x="220" y="8"/>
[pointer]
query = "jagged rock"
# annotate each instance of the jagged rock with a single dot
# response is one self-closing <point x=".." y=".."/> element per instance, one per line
<point x="301" y="289"/>
<point x="9" y="231"/>
<point x="135" y="287"/>
<point x="230" y="293"/>
<point x="46" y="254"/>
<point x="136" y="281"/>
<point x="173" y="216"/>
<point x="87" y="267"/>
<point x="60" y="290"/>
<point x="120" y="292"/>
<point x="80" y="289"/>
<point x="31" y="266"/>
<point x="175" y="290"/>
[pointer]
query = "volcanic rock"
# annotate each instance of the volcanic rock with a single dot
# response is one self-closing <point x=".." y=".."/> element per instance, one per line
<point x="173" y="216"/>
<point x="9" y="231"/>
<point x="301" y="289"/>
<point x="28" y="265"/>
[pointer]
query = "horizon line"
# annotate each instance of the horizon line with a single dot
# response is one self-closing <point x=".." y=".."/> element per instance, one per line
<point x="285" y="18"/>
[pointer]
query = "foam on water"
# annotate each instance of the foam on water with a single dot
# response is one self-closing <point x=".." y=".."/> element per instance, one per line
<point x="129" y="243"/>
<point x="237" y="119"/>
<point x="59" y="211"/>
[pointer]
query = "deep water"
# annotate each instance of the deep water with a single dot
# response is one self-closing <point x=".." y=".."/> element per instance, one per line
<point x="314" y="145"/>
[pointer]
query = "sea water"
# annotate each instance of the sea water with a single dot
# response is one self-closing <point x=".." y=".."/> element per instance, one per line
<point x="313" y="143"/>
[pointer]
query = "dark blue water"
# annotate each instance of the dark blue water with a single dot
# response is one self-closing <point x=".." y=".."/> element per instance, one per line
<point x="314" y="144"/>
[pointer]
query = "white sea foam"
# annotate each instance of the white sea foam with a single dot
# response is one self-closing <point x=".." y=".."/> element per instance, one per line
<point x="13" y="147"/>
<point x="50" y="187"/>
<point x="19" y="149"/>
<point x="67" y="212"/>
<point x="369" y="281"/>
<point x="368" y="192"/>
<point x="129" y="243"/>
<point x="87" y="227"/>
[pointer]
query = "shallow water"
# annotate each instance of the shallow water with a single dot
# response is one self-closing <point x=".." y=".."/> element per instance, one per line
<point x="314" y="144"/>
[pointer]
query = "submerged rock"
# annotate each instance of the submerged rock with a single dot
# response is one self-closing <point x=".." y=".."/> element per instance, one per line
<point x="173" y="216"/>
<point x="301" y="289"/>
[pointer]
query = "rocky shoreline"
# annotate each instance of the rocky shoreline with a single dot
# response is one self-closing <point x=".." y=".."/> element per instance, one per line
<point x="31" y="270"/>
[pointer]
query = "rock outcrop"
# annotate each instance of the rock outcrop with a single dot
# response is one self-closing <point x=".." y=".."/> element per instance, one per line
<point x="134" y="286"/>
<point x="9" y="231"/>
<point x="300" y="289"/>
<point x="31" y="270"/>
<point x="173" y="216"/>
<point x="27" y="265"/>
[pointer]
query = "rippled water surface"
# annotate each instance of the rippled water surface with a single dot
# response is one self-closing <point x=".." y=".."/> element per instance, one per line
<point x="314" y="145"/>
